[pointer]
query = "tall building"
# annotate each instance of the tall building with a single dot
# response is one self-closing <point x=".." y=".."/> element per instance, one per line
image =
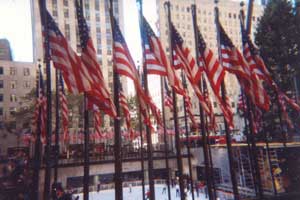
<point x="98" y="19"/>
<point x="5" y="50"/>
<point x="17" y="79"/>
<point x="181" y="17"/>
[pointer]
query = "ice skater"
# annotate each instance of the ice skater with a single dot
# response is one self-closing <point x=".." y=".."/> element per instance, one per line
<point x="164" y="190"/>
<point x="130" y="187"/>
<point x="177" y="191"/>
<point x="148" y="195"/>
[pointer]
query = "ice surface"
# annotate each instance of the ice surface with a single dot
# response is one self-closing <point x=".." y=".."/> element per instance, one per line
<point x="136" y="194"/>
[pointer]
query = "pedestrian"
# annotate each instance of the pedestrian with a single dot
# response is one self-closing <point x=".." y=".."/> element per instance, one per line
<point x="177" y="191"/>
<point x="130" y="187"/>
<point x="98" y="186"/>
<point x="164" y="191"/>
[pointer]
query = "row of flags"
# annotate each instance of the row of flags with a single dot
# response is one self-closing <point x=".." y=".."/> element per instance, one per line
<point x="82" y="74"/>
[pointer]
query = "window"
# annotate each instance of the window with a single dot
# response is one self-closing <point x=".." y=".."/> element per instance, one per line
<point x="13" y="98"/>
<point x="26" y="84"/>
<point x="98" y="17"/>
<point x="215" y="104"/>
<point x="1" y="97"/>
<point x="97" y="5"/>
<point x="12" y="71"/>
<point x="1" y="84"/>
<point x="188" y="9"/>
<point x="66" y="13"/>
<point x="229" y="15"/>
<point x="26" y="71"/>
<point x="1" y="125"/>
<point x="12" y="110"/>
<point x="1" y="71"/>
<point x="1" y="111"/>
<point x="66" y="3"/>
<point x="67" y="31"/>
<point x="13" y="84"/>
<point x="232" y="104"/>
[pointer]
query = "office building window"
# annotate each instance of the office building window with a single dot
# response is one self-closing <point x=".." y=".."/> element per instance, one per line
<point x="13" y="98"/>
<point x="12" y="110"/>
<point x="1" y="84"/>
<point x="1" y="97"/>
<point x="26" y="84"/>
<point x="13" y="84"/>
<point x="1" y="70"/>
<point x="67" y="31"/>
<point x="26" y="71"/>
<point x="232" y="104"/>
<point x="1" y="111"/>
<point x="97" y="5"/>
<point x="66" y="13"/>
<point x="66" y="3"/>
<point x="215" y="104"/>
<point x="12" y="71"/>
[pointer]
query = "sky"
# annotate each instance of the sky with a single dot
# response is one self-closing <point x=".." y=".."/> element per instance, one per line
<point x="15" y="23"/>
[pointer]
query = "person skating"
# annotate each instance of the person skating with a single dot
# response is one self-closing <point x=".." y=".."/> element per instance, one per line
<point x="148" y="195"/>
<point x="177" y="191"/>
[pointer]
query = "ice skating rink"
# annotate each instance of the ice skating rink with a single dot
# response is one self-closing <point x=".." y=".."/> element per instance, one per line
<point x="136" y="194"/>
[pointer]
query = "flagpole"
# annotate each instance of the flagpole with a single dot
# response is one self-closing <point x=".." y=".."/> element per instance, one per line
<point x="249" y="16"/>
<point x="148" y="131"/>
<point x="47" y="193"/>
<point x="86" y="166"/>
<point x="117" y="127"/>
<point x="187" y="137"/>
<point x="57" y="120"/>
<point x="227" y="131"/>
<point x="142" y="150"/>
<point x="202" y="121"/>
<point x="142" y="155"/>
<point x="210" y="159"/>
<point x="175" y="116"/>
<point x="165" y="135"/>
<point x="37" y="149"/>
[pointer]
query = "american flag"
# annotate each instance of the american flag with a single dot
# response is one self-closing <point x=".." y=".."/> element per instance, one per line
<point x="284" y="112"/>
<point x="66" y="60"/>
<point x="211" y="110"/>
<point x="125" y="66"/>
<point x="189" y="108"/>
<point x="187" y="62"/>
<point x="41" y="107"/>
<point x="126" y="112"/>
<point x="99" y="94"/>
<point x="97" y="123"/>
<point x="64" y="109"/>
<point x="156" y="53"/>
<point x="255" y="62"/>
<point x="168" y="101"/>
<point x="215" y="73"/>
<point x="235" y="63"/>
<point x="155" y="112"/>
<point x="184" y="55"/>
<point x="258" y="68"/>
